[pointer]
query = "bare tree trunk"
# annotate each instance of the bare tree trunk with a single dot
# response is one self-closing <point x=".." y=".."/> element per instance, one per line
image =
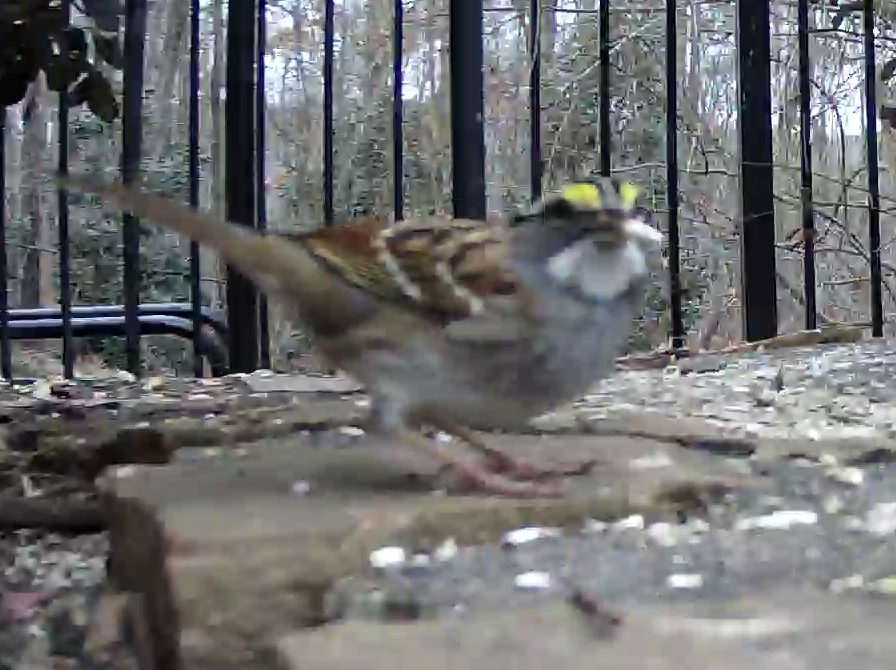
<point x="166" y="104"/>
<point x="36" y="288"/>
<point x="13" y="198"/>
<point x="211" y="266"/>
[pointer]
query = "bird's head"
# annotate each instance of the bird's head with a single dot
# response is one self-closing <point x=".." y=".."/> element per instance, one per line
<point x="592" y="235"/>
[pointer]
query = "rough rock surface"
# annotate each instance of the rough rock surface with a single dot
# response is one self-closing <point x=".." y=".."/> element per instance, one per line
<point x="743" y="512"/>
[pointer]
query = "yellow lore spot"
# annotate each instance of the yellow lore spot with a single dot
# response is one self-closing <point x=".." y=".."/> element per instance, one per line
<point x="582" y="195"/>
<point x="628" y="193"/>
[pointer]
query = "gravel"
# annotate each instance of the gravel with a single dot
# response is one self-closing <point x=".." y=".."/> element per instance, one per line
<point x="820" y="525"/>
<point x="827" y="391"/>
<point x="50" y="589"/>
<point x="808" y="532"/>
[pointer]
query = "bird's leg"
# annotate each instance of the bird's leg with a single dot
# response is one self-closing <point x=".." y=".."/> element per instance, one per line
<point x="499" y="462"/>
<point x="389" y="420"/>
<point x="473" y="474"/>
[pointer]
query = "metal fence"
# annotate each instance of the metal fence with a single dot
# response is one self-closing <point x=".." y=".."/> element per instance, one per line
<point x="246" y="327"/>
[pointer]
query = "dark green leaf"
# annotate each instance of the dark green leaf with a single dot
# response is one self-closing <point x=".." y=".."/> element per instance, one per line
<point x="24" y="59"/>
<point x="30" y="64"/>
<point x="104" y="13"/>
<point x="46" y="21"/>
<point x="109" y="49"/>
<point x="78" y="95"/>
<point x="43" y="48"/>
<point x="100" y="97"/>
<point x="888" y="70"/>
<point x="844" y="11"/>
<point x="18" y="68"/>
<point x="13" y="86"/>
<point x="75" y="40"/>
<point x="61" y="73"/>
<point x="13" y="38"/>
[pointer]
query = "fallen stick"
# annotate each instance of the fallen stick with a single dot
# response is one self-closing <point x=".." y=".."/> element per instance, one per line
<point x="837" y="334"/>
<point x="55" y="514"/>
<point x="137" y="566"/>
<point x="66" y="455"/>
<point x="86" y="451"/>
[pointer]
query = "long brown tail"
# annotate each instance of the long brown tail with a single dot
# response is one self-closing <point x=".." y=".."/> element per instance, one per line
<point x="266" y="260"/>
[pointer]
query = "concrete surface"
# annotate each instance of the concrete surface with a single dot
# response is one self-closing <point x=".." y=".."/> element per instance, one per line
<point x="273" y="537"/>
<point x="776" y="633"/>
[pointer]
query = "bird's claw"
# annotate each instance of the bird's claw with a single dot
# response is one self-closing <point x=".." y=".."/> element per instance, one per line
<point x="500" y="463"/>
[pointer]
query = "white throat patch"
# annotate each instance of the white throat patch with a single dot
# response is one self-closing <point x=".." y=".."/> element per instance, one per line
<point x="597" y="273"/>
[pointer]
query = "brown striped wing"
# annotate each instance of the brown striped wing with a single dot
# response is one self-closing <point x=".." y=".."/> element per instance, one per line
<point x="448" y="268"/>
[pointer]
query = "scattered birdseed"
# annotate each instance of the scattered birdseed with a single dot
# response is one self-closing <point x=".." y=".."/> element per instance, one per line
<point x="842" y="584"/>
<point x="420" y="560"/>
<point x="155" y="383"/>
<point x="533" y="580"/>
<point x="685" y="581"/>
<point x="594" y="526"/>
<point x="301" y="487"/>
<point x="447" y="550"/>
<point x="633" y="522"/>
<point x="669" y="534"/>
<point x="388" y="557"/>
<point x="124" y="471"/>
<point x="880" y="519"/>
<point x="655" y="460"/>
<point x="740" y="628"/>
<point x="779" y="520"/>
<point x="885" y="585"/>
<point x="848" y="475"/>
<point x="520" y="536"/>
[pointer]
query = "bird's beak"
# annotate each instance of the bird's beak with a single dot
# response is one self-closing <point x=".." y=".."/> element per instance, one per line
<point x="637" y="229"/>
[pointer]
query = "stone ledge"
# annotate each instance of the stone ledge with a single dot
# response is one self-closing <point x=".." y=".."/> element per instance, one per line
<point x="770" y="631"/>
<point x="250" y="559"/>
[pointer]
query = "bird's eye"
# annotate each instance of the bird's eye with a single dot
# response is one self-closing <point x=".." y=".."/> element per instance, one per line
<point x="545" y="209"/>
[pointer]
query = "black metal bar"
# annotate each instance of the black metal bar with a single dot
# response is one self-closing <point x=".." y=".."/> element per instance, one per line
<point x="672" y="174"/>
<point x="193" y="157"/>
<point x="877" y="308"/>
<point x="808" y="210"/>
<point x="239" y="110"/>
<point x="261" y="214"/>
<point x="467" y="108"/>
<point x="329" y="37"/>
<point x="65" y="285"/>
<point x="115" y="326"/>
<point x="398" y="111"/>
<point x="757" y="196"/>
<point x="5" y="349"/>
<point x="535" y="169"/>
<point x="208" y="317"/>
<point x="603" y="39"/>
<point x="132" y="108"/>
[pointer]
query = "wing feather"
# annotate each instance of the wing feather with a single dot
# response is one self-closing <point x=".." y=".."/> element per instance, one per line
<point x="450" y="269"/>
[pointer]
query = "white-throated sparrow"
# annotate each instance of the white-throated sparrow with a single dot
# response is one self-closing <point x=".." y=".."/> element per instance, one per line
<point x="452" y="324"/>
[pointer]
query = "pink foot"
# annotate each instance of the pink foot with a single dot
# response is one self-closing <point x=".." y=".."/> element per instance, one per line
<point x="473" y="478"/>
<point x="498" y="462"/>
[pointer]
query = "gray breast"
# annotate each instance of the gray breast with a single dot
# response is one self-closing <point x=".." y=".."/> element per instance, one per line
<point x="511" y="382"/>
